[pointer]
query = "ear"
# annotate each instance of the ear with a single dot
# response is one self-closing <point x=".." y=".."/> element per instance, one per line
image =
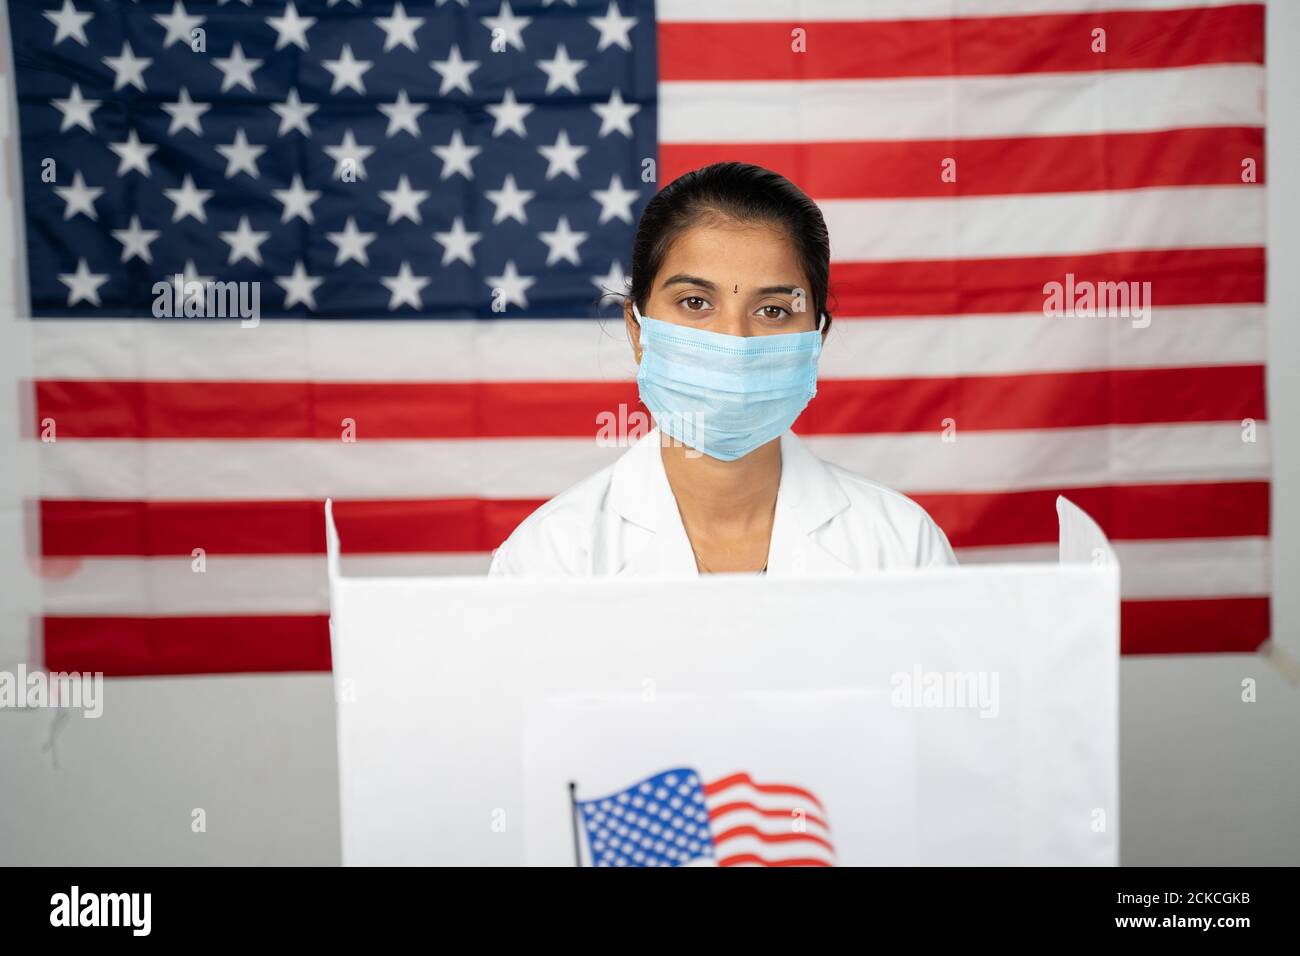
<point x="633" y="328"/>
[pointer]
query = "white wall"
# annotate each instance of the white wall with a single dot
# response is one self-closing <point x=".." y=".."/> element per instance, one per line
<point x="1206" y="779"/>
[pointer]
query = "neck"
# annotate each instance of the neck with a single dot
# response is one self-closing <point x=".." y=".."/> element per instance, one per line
<point x="723" y="498"/>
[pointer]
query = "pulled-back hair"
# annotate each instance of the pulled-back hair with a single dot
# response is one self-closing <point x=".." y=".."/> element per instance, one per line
<point x="741" y="192"/>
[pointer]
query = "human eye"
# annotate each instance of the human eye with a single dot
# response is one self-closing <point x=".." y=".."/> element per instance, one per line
<point x="773" y="312"/>
<point x="694" y="303"/>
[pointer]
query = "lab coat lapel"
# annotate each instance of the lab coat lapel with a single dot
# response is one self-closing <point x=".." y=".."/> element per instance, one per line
<point x="641" y="495"/>
<point x="808" y="498"/>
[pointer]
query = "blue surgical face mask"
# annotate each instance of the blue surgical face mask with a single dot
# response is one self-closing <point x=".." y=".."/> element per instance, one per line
<point x="725" y="395"/>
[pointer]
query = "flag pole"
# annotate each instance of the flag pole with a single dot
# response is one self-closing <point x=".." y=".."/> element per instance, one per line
<point x="573" y="818"/>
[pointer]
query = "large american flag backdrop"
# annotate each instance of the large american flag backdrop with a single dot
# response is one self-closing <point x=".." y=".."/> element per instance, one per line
<point x="389" y="171"/>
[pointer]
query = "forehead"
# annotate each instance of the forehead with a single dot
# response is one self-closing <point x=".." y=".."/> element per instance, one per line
<point x="728" y="252"/>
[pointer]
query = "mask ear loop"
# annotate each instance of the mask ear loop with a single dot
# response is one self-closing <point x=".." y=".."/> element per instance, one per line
<point x="637" y="313"/>
<point x="822" y="322"/>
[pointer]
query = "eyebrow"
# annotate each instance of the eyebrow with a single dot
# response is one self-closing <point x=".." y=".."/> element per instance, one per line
<point x="683" y="278"/>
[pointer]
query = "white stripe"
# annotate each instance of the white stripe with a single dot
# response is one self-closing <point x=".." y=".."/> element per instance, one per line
<point x="296" y="584"/>
<point x="1064" y="457"/>
<point x="542" y="468"/>
<point x="509" y="468"/>
<point x="289" y="350"/>
<point x="768" y="801"/>
<point x="415" y="565"/>
<point x="1182" y="217"/>
<point x="1174" y="568"/>
<point x="1180" y="568"/>
<point x="585" y="351"/>
<point x="229" y="585"/>
<point x="1177" y="337"/>
<point x="969" y="107"/>
<point x="804" y="11"/>
<point x="775" y="824"/>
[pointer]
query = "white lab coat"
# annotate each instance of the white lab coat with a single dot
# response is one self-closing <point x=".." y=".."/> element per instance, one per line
<point x="623" y="520"/>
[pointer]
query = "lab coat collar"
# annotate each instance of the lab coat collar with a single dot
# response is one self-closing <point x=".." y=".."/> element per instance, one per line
<point x="807" y="498"/>
<point x="639" y="489"/>
<point x="808" y="486"/>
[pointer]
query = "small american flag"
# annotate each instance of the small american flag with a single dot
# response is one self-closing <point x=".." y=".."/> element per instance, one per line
<point x="674" y="818"/>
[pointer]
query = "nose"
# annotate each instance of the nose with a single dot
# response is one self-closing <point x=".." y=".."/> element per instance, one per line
<point x="732" y="319"/>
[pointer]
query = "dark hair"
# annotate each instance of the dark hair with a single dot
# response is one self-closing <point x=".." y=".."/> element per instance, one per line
<point x="742" y="192"/>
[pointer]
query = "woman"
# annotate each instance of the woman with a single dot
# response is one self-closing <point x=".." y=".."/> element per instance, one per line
<point x="726" y="314"/>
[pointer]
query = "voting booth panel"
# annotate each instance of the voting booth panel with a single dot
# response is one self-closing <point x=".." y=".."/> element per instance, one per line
<point x="945" y="716"/>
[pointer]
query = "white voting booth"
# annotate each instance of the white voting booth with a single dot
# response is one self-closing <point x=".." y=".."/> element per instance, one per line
<point x="950" y="716"/>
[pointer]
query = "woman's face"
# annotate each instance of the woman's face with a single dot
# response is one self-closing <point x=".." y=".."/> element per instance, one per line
<point x="731" y="278"/>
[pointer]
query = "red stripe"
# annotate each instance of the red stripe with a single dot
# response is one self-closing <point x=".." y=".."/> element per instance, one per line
<point x="136" y="646"/>
<point x="140" y="646"/>
<point x="1221" y="625"/>
<point x="741" y="859"/>
<point x="1125" y="512"/>
<point x="88" y="528"/>
<point x="738" y="779"/>
<point x="986" y="167"/>
<point x="966" y="46"/>
<point x="325" y="410"/>
<point x="386" y="410"/>
<point x="1041" y="400"/>
<point x="984" y="286"/>
<point x="748" y="831"/>
<point x="76" y="528"/>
